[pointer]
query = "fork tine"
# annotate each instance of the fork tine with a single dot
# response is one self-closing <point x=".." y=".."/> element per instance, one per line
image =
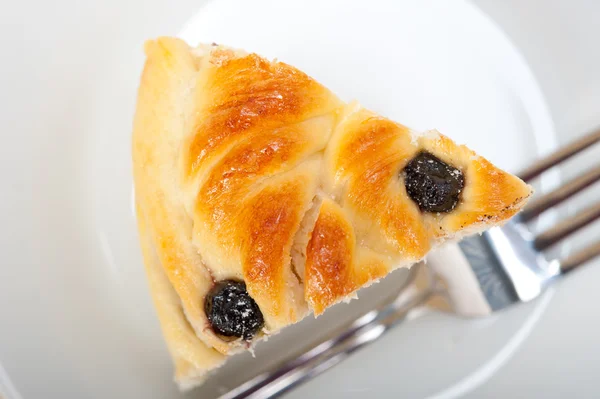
<point x="560" y="194"/>
<point x="580" y="257"/>
<point x="566" y="227"/>
<point x="564" y="153"/>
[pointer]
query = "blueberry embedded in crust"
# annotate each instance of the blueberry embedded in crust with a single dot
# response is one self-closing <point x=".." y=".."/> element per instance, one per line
<point x="433" y="184"/>
<point x="231" y="311"/>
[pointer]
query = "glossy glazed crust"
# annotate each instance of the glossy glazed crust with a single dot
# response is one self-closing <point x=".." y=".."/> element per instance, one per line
<point x="336" y="266"/>
<point x="226" y="150"/>
<point x="373" y="227"/>
<point x="191" y="356"/>
<point x="249" y="169"/>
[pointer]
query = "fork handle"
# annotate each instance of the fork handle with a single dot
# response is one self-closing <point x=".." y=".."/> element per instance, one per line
<point x="319" y="362"/>
<point x="579" y="258"/>
<point x="324" y="355"/>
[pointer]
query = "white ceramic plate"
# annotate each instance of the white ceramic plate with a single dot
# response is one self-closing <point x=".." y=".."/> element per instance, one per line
<point x="76" y="315"/>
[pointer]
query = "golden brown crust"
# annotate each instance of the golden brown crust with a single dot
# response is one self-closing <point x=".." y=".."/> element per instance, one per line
<point x="491" y="195"/>
<point x="239" y="97"/>
<point x="251" y="155"/>
<point x="249" y="169"/>
<point x="363" y="161"/>
<point x="226" y="152"/>
<point x="272" y="218"/>
<point x="163" y="103"/>
<point x="333" y="268"/>
<point x="192" y="358"/>
<point x="363" y="172"/>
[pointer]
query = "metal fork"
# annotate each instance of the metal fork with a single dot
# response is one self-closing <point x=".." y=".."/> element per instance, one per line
<point x="506" y="265"/>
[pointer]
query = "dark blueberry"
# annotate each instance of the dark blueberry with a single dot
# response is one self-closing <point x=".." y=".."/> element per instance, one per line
<point x="231" y="311"/>
<point x="433" y="184"/>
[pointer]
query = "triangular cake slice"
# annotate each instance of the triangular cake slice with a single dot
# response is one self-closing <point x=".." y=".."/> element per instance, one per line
<point x="261" y="197"/>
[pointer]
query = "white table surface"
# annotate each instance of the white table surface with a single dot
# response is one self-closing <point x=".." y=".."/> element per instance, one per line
<point x="559" y="39"/>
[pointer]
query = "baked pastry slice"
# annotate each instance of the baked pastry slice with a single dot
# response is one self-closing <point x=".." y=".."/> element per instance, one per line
<point x="261" y="197"/>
